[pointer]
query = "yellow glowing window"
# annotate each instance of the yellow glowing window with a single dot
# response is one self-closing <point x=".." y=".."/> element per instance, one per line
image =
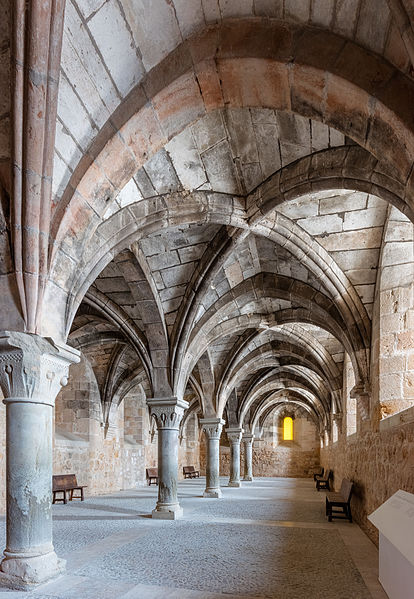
<point x="287" y="429"/>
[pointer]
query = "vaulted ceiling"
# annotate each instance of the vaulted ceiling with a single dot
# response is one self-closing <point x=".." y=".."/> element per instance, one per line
<point x="223" y="176"/>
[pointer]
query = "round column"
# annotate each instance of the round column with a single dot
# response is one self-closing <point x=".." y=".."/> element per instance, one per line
<point x="168" y="413"/>
<point x="32" y="371"/>
<point x="248" y="457"/>
<point x="212" y="428"/>
<point x="234" y="435"/>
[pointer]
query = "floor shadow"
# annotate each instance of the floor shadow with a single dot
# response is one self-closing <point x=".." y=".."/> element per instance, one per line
<point x="104" y="518"/>
<point x="102" y="508"/>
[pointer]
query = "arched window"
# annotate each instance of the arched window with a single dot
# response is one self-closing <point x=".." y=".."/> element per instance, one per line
<point x="287" y="429"/>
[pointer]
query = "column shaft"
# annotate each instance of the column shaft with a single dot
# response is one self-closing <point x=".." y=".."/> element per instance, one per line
<point x="29" y="478"/>
<point x="212" y="428"/>
<point x="248" y="457"/>
<point x="167" y="469"/>
<point x="234" y="436"/>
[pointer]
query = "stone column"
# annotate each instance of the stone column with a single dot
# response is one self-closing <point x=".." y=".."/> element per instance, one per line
<point x="248" y="456"/>
<point x="32" y="371"/>
<point x="234" y="435"/>
<point x="212" y="428"/>
<point x="168" y="413"/>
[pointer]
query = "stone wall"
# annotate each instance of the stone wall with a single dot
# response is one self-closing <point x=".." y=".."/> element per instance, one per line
<point x="189" y="448"/>
<point x="379" y="463"/>
<point x="396" y="316"/>
<point x="274" y="457"/>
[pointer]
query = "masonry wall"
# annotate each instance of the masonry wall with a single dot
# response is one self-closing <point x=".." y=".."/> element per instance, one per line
<point x="274" y="457"/>
<point x="189" y="448"/>
<point x="379" y="463"/>
<point x="395" y="290"/>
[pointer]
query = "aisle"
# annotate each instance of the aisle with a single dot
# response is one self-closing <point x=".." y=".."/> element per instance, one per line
<point x="269" y="538"/>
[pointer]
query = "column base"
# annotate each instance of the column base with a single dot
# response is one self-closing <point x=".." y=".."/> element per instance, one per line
<point x="248" y="478"/>
<point x="168" y="512"/>
<point x="25" y="571"/>
<point x="213" y="493"/>
<point x="234" y="484"/>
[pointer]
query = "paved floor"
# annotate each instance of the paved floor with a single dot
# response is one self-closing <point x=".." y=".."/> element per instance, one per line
<point x="269" y="538"/>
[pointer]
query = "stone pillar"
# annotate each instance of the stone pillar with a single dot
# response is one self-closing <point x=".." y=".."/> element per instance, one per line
<point x="168" y="413"/>
<point x="212" y="428"/>
<point x="32" y="371"/>
<point x="234" y="435"/>
<point x="248" y="456"/>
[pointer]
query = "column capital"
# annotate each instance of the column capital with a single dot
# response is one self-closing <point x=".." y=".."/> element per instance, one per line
<point x="234" y="434"/>
<point x="338" y="419"/>
<point x="32" y="368"/>
<point x="248" y="438"/>
<point x="212" y="427"/>
<point x="167" y="411"/>
<point x="362" y="393"/>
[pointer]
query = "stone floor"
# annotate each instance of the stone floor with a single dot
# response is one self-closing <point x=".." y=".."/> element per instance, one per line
<point x="269" y="538"/>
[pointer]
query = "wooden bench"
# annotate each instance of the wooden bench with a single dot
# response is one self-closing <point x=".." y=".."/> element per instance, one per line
<point x="190" y="472"/>
<point x="152" y="476"/>
<point x="341" y="500"/>
<point x="322" y="482"/>
<point x="66" y="483"/>
<point x="318" y="474"/>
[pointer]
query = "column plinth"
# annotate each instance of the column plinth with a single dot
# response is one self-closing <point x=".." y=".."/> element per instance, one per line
<point x="248" y="457"/>
<point x="212" y="428"/>
<point x="168" y="413"/>
<point x="234" y="435"/>
<point x="32" y="371"/>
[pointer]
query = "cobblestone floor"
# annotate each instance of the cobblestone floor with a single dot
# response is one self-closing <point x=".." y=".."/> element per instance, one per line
<point x="269" y="538"/>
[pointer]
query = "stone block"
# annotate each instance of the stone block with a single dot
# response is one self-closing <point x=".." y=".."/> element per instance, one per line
<point x="220" y="168"/>
<point x="320" y="225"/>
<point x="322" y="12"/>
<point x="118" y="49"/>
<point x="186" y="160"/>
<point x="162" y="174"/>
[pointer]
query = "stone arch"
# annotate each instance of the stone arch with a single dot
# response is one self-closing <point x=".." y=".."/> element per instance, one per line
<point x="277" y="381"/>
<point x="224" y="64"/>
<point x="353" y="101"/>
<point x="280" y="342"/>
<point x="278" y="401"/>
<point x="273" y="286"/>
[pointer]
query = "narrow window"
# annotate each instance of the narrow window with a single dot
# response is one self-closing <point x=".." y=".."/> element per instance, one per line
<point x="287" y="429"/>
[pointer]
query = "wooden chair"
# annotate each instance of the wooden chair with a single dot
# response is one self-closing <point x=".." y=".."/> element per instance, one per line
<point x="341" y="500"/>
<point x="190" y="472"/>
<point x="66" y="483"/>
<point x="322" y="482"/>
<point x="318" y="474"/>
<point x="152" y="476"/>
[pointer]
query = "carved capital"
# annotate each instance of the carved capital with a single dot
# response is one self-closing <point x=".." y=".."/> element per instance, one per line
<point x="234" y="434"/>
<point x="248" y="438"/>
<point x="338" y="419"/>
<point x="167" y="412"/>
<point x="212" y="427"/>
<point x="362" y="394"/>
<point x="33" y="369"/>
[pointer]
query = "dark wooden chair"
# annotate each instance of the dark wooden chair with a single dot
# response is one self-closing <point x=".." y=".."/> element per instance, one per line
<point x="318" y="474"/>
<point x="190" y="472"/>
<point x="341" y="501"/>
<point x="322" y="482"/>
<point x="66" y="484"/>
<point x="152" y="476"/>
